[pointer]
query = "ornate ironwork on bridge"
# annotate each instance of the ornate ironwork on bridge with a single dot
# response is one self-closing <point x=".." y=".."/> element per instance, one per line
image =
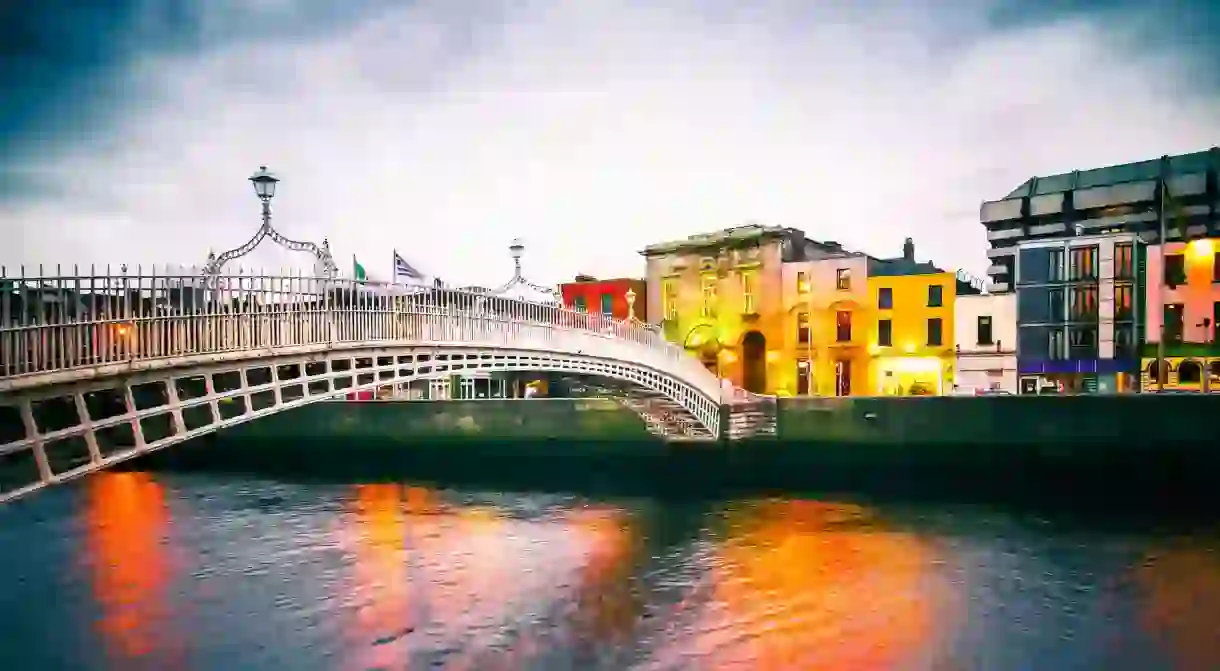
<point x="98" y="368"/>
<point x="264" y="187"/>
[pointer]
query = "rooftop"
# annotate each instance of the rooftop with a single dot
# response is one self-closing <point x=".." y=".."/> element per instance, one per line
<point x="735" y="234"/>
<point x="1200" y="161"/>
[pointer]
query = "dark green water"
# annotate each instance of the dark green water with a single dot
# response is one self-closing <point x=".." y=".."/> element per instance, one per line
<point x="206" y="570"/>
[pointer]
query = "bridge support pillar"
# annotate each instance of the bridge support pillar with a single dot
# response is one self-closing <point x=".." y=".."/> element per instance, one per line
<point x="82" y="412"/>
<point x="171" y="397"/>
<point x="39" y="447"/>
<point x="137" y="429"/>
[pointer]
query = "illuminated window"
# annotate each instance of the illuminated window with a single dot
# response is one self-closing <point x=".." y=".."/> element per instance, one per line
<point x="885" y="333"/>
<point x="749" y="292"/>
<point x="1082" y="264"/>
<point x="802" y="283"/>
<point x="1083" y="304"/>
<point x="669" y="299"/>
<point x="843" y="279"/>
<point x="709" y="296"/>
<point x="802" y="328"/>
<point x="843" y="326"/>
<point x="1124" y="261"/>
<point x="1123" y="301"/>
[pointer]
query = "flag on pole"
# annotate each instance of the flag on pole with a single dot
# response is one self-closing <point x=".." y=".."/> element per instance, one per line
<point x="404" y="269"/>
<point x="358" y="270"/>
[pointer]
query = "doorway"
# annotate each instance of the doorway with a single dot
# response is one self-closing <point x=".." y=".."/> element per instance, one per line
<point x="754" y="362"/>
<point x="843" y="377"/>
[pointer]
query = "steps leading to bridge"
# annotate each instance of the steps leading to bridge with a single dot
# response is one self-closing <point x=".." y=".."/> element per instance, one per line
<point x="753" y="417"/>
<point x="664" y="417"/>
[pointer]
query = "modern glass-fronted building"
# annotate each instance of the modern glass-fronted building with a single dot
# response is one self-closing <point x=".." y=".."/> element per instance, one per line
<point x="1073" y="247"/>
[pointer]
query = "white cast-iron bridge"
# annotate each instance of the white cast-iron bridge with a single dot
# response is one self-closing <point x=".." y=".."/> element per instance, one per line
<point x="97" y="367"/>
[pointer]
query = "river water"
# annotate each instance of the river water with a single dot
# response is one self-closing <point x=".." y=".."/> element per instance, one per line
<point x="173" y="570"/>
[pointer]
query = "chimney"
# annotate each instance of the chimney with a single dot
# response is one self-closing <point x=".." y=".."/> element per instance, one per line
<point x="908" y="250"/>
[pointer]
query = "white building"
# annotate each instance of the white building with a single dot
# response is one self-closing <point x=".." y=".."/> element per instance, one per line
<point x="986" y="338"/>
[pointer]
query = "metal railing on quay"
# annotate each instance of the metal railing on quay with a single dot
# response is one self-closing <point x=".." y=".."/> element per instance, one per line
<point x="54" y="321"/>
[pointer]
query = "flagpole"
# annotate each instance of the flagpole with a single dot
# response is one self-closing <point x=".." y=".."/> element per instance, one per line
<point x="1160" y="341"/>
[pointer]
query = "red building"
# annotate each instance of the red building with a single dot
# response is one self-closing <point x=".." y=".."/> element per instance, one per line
<point x="590" y="294"/>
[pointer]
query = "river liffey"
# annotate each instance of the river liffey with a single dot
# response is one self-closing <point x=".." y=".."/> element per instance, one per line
<point x="181" y="571"/>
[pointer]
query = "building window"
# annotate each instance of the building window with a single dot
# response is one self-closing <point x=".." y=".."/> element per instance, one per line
<point x="1055" y="271"/>
<point x="843" y="326"/>
<point x="935" y="296"/>
<point x="1215" y="320"/>
<point x="1082" y="342"/>
<point x="580" y="304"/>
<point x="749" y="292"/>
<point x="669" y="299"/>
<point x="802" y="328"/>
<point x="885" y="333"/>
<point x="1173" y="322"/>
<point x="843" y="279"/>
<point x="1124" y="306"/>
<point x="1175" y="270"/>
<point x="983" y="330"/>
<point x="1056" y="348"/>
<point x="802" y="283"/>
<point x="709" y="296"/>
<point x="885" y="298"/>
<point x="1056" y="305"/>
<point x="1124" y="261"/>
<point x="935" y="328"/>
<point x="1216" y="267"/>
<point x="1124" y="341"/>
<point x="1083" y="263"/>
<point x="1083" y="306"/>
<point x="607" y="304"/>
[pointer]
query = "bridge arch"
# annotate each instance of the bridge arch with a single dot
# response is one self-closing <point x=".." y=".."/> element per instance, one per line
<point x="131" y="330"/>
<point x="164" y="406"/>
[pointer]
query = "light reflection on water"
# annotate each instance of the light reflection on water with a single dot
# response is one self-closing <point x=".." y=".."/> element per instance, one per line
<point x="135" y="571"/>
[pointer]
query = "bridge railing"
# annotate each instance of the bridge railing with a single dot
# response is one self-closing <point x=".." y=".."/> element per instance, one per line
<point x="53" y="322"/>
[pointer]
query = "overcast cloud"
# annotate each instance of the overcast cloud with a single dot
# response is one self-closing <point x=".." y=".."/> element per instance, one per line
<point x="445" y="128"/>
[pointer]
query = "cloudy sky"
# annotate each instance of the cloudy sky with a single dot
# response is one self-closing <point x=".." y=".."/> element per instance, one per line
<point x="590" y="128"/>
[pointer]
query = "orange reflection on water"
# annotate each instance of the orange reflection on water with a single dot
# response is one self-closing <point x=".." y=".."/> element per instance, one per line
<point x="1181" y="586"/>
<point x="606" y="608"/>
<point x="427" y="574"/>
<point x="127" y="519"/>
<point x="802" y="584"/>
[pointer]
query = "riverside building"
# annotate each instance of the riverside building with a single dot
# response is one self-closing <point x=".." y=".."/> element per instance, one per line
<point x="1073" y="248"/>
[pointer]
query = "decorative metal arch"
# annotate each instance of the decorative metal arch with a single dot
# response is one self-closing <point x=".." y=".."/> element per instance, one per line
<point x="322" y="254"/>
<point x="517" y="249"/>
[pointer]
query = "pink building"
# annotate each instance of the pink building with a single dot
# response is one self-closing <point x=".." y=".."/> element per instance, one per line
<point x="1192" y="294"/>
<point x="1183" y="284"/>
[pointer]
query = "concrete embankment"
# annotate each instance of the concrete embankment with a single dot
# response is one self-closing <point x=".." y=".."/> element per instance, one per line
<point x="1086" y="446"/>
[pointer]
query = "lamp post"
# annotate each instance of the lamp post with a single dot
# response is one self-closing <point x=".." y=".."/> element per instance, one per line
<point x="264" y="187"/>
<point x="630" y="295"/>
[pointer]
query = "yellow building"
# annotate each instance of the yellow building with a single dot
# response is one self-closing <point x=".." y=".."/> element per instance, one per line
<point x="829" y="313"/>
<point x="912" y="336"/>
<point x="719" y="296"/>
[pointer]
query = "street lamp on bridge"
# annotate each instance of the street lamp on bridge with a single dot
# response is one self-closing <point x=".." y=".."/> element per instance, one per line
<point x="264" y="187"/>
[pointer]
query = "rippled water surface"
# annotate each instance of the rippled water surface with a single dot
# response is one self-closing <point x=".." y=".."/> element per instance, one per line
<point x="190" y="571"/>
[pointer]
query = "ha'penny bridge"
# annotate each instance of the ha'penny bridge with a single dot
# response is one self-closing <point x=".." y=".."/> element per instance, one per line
<point x="100" y="366"/>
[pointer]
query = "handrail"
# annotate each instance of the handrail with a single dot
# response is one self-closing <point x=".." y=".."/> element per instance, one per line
<point x="53" y="322"/>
